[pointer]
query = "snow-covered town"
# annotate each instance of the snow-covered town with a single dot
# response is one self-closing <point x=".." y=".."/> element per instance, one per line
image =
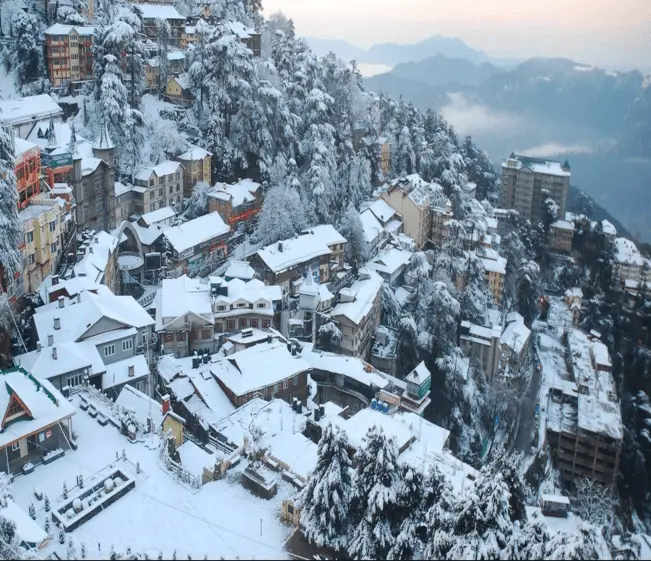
<point x="250" y="309"/>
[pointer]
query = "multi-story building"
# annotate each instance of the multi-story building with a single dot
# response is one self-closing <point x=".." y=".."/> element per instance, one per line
<point x="197" y="166"/>
<point x="584" y="421"/>
<point x="561" y="234"/>
<point x="409" y="198"/>
<point x="27" y="167"/>
<point x="515" y="344"/>
<point x="358" y="314"/>
<point x="630" y="264"/>
<point x="320" y="250"/>
<point x="189" y="36"/>
<point x="198" y="244"/>
<point x="93" y="184"/>
<point x="441" y="216"/>
<point x="21" y="115"/>
<point x="178" y="90"/>
<point x="482" y="345"/>
<point x="528" y="182"/>
<point x="129" y="201"/>
<point x="164" y="184"/>
<point x="238" y="203"/>
<point x="68" y="54"/>
<point x="155" y="11"/>
<point x="153" y="78"/>
<point x="249" y="36"/>
<point x="495" y="272"/>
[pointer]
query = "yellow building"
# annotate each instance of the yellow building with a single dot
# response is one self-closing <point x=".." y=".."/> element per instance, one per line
<point x="495" y="267"/>
<point x="188" y="36"/>
<point x="197" y="166"/>
<point x="42" y="228"/>
<point x="178" y="90"/>
<point x="408" y="197"/>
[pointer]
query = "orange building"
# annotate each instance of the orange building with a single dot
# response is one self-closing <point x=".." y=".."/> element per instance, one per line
<point x="28" y="170"/>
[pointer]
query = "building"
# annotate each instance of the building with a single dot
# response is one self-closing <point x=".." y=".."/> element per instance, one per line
<point x="583" y="418"/>
<point x="495" y="272"/>
<point x="383" y="353"/>
<point x="561" y="234"/>
<point x="178" y="90"/>
<point x="197" y="166"/>
<point x="198" y="244"/>
<point x="358" y="314"/>
<point x="238" y="203"/>
<point x="249" y="36"/>
<point x="194" y="314"/>
<point x="93" y="183"/>
<point x="440" y="232"/>
<point x="36" y="421"/>
<point x="629" y="262"/>
<point x="152" y="12"/>
<point x="164" y="184"/>
<point x="482" y="345"/>
<point x="319" y="250"/>
<point x="409" y="198"/>
<point x="129" y="201"/>
<point x="528" y="182"/>
<point x="175" y="65"/>
<point x="390" y="264"/>
<point x="22" y="114"/>
<point x="373" y="232"/>
<point x="27" y="167"/>
<point x="69" y="54"/>
<point x="515" y="344"/>
<point x="574" y="300"/>
<point x="239" y="270"/>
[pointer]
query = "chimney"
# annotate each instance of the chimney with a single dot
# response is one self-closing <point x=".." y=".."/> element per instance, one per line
<point x="61" y="300"/>
<point x="132" y="371"/>
<point x="55" y="280"/>
<point x="54" y="353"/>
<point x="38" y="346"/>
<point x="166" y="403"/>
<point x="50" y="339"/>
<point x="90" y="249"/>
<point x="57" y="323"/>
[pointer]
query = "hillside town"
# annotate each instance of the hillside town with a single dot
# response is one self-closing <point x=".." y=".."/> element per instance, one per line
<point x="232" y="276"/>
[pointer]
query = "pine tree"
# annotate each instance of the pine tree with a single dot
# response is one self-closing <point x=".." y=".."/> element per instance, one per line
<point x="407" y="354"/>
<point x="282" y="215"/>
<point x="113" y="98"/>
<point x="352" y="229"/>
<point x="405" y="160"/>
<point x="47" y="525"/>
<point x="62" y="535"/>
<point x="408" y="515"/>
<point x="47" y="504"/>
<point x="83" y="551"/>
<point x="197" y="204"/>
<point x="329" y="337"/>
<point x="73" y="13"/>
<point x="475" y="298"/>
<point x="28" y="47"/>
<point x="533" y="538"/>
<point x="65" y="490"/>
<point x="585" y="543"/>
<point x="131" y="148"/>
<point x="376" y="497"/>
<point x="163" y="37"/>
<point x="32" y="511"/>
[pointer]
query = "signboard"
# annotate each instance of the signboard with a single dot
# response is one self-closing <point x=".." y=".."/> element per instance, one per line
<point x="57" y="161"/>
<point x="424" y="387"/>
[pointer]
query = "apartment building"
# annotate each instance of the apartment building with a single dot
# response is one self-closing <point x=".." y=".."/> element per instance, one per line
<point x="175" y="65"/>
<point x="495" y="272"/>
<point x="27" y="167"/>
<point x="561" y="234"/>
<point x="238" y="203"/>
<point x="515" y="344"/>
<point x="358" y="314"/>
<point x="482" y="345"/>
<point x="528" y="182"/>
<point x="584" y="421"/>
<point x="319" y="251"/>
<point x="164" y="184"/>
<point x="68" y="54"/>
<point x="409" y="198"/>
<point x="441" y="216"/>
<point x="630" y="264"/>
<point x="197" y="166"/>
<point x="155" y="11"/>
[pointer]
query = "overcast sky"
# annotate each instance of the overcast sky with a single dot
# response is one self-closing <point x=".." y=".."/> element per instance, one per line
<point x="614" y="33"/>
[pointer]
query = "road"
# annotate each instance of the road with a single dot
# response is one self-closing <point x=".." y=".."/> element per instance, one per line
<point x="523" y="439"/>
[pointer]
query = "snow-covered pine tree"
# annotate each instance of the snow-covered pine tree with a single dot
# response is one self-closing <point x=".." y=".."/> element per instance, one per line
<point x="128" y="33"/>
<point x="532" y="539"/>
<point x="10" y="224"/>
<point x="405" y="160"/>
<point x="326" y="498"/>
<point x="329" y="337"/>
<point x="130" y="152"/>
<point x="113" y="98"/>
<point x="163" y="37"/>
<point x="586" y="542"/>
<point x="407" y="352"/>
<point x="352" y="229"/>
<point x="376" y="496"/>
<point x="475" y="298"/>
<point x="442" y="323"/>
<point x="197" y="204"/>
<point x="73" y="12"/>
<point x="28" y="48"/>
<point x="408" y="515"/>
<point x="282" y="215"/>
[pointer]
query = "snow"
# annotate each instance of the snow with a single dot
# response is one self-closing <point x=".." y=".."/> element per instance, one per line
<point x="366" y="292"/>
<point x="497" y="265"/>
<point x="562" y="499"/>
<point x="258" y="367"/>
<point x="27" y="530"/>
<point x="349" y="367"/>
<point x="239" y="29"/>
<point x="516" y="336"/>
<point x="168" y="167"/>
<point x="626" y="253"/>
<point x="89" y="165"/>
<point x="28" y="109"/>
<point x="158" y="11"/>
<point x="117" y="373"/>
<point x="159" y="215"/>
<point x="390" y="261"/>
<point x="358" y="425"/>
<point x="142" y="406"/>
<point x="240" y="270"/>
<point x="130" y="261"/>
<point x="195" y="459"/>
<point x="62" y="29"/>
<point x="21" y="146"/>
<point x="562" y="225"/>
<point x="608" y="228"/>
<point x="45" y="404"/>
<point x="546" y="167"/>
<point x="584" y="68"/>
<point x="195" y="153"/>
<point x="381" y="209"/>
<point x="149" y="235"/>
<point x="160" y="514"/>
<point x="94" y="264"/>
<point x="327" y="234"/>
<point x="195" y="232"/>
<point x="71" y="357"/>
<point x="295" y="450"/>
<point x="239" y="193"/>
<point x="183" y="295"/>
<point x="371" y="227"/>
<point x="555" y="524"/>
<point x="183" y="80"/>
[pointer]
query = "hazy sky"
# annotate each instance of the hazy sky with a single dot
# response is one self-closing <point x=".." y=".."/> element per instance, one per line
<point x="614" y="33"/>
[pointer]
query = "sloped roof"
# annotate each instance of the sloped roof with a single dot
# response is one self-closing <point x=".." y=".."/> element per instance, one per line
<point x="195" y="232"/>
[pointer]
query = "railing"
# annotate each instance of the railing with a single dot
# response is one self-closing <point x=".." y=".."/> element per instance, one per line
<point x="147" y="299"/>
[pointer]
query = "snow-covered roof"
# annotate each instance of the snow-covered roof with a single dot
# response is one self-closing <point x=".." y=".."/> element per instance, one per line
<point x="159" y="215"/>
<point x="195" y="232"/>
<point x="156" y="11"/>
<point x="562" y="225"/>
<point x="608" y="228"/>
<point x="537" y="165"/>
<point x="70" y="357"/>
<point x="27" y="530"/>
<point x="94" y="264"/>
<point x="258" y="367"/>
<point x="89" y="165"/>
<point x="240" y="270"/>
<point x="414" y="187"/>
<point x="183" y="295"/>
<point x="117" y="373"/>
<point x="241" y="30"/>
<point x="371" y="226"/>
<point x="359" y="424"/>
<point x="239" y="193"/>
<point x="21" y="146"/>
<point x="381" y="210"/>
<point x="390" y="260"/>
<point x="288" y="253"/>
<point x="62" y="29"/>
<point x="28" y="109"/>
<point x="194" y="154"/>
<point x="515" y="336"/>
<point x="195" y="459"/>
<point x="497" y="265"/>
<point x="142" y="406"/>
<point x="44" y="403"/>
<point x="627" y="253"/>
<point x="366" y="291"/>
<point x="168" y="167"/>
<point x="148" y="235"/>
<point x="419" y="374"/>
<point x="183" y="80"/>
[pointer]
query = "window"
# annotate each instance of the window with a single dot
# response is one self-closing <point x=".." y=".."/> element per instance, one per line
<point x="171" y="189"/>
<point x="266" y="323"/>
<point x="151" y="182"/>
<point x="275" y="388"/>
<point x="180" y="336"/>
<point x="221" y="308"/>
<point x="127" y="345"/>
<point x="242" y="323"/>
<point x="143" y="335"/>
<point x="253" y="322"/>
<point x="160" y="180"/>
<point x="15" y="447"/>
<point x="74" y="380"/>
<point x="290" y="510"/>
<point x="152" y="194"/>
<point x="109" y="350"/>
<point x="230" y="325"/>
<point x="53" y="248"/>
<point x="140" y="385"/>
<point x="31" y="259"/>
<point x="161" y="204"/>
<point x="160" y="192"/>
<point x="29" y="237"/>
<point x="152" y="207"/>
<point x="295" y="380"/>
<point x="241" y="305"/>
<point x="53" y="225"/>
<point x="262" y="306"/>
<point x="178" y="187"/>
<point x="285" y="384"/>
<point x="99" y="206"/>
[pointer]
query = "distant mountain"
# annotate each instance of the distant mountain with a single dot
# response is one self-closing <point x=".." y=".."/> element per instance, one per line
<point x="343" y="49"/>
<point x="441" y="70"/>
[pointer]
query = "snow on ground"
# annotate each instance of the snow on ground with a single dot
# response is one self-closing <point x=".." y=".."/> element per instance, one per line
<point x="221" y="519"/>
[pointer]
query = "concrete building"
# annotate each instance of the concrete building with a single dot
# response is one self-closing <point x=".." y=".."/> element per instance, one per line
<point x="358" y="314"/>
<point x="409" y="198"/>
<point x="495" y="272"/>
<point x="153" y="78"/>
<point x="68" y="54"/>
<point x="164" y="184"/>
<point x="515" y="344"/>
<point x="27" y="168"/>
<point x="238" y="203"/>
<point x="630" y="264"/>
<point x="561" y="234"/>
<point x="152" y="12"/>
<point x="528" y="182"/>
<point x="482" y="345"/>
<point x="197" y="166"/>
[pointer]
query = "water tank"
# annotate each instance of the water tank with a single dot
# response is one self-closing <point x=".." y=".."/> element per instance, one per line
<point x="374" y="404"/>
<point x="317" y="415"/>
<point x="195" y="362"/>
<point x="206" y="358"/>
<point x="322" y="411"/>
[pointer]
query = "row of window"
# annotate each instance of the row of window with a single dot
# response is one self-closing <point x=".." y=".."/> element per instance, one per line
<point x="127" y="345"/>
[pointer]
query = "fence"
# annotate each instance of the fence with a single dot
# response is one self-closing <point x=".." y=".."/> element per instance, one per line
<point x="177" y="471"/>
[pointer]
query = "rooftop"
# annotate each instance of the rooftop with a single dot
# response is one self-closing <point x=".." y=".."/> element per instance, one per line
<point x="537" y="165"/>
<point x="28" y="109"/>
<point x="141" y="405"/>
<point x="117" y="373"/>
<point x="70" y="357"/>
<point x="627" y="253"/>
<point x="61" y="29"/>
<point x="239" y="193"/>
<point x="562" y="225"/>
<point x="366" y="291"/>
<point x="381" y="210"/>
<point x="159" y="215"/>
<point x="390" y="260"/>
<point x="155" y="11"/>
<point x="195" y="232"/>
<point x="371" y="226"/>
<point x="194" y="154"/>
<point x="240" y="270"/>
